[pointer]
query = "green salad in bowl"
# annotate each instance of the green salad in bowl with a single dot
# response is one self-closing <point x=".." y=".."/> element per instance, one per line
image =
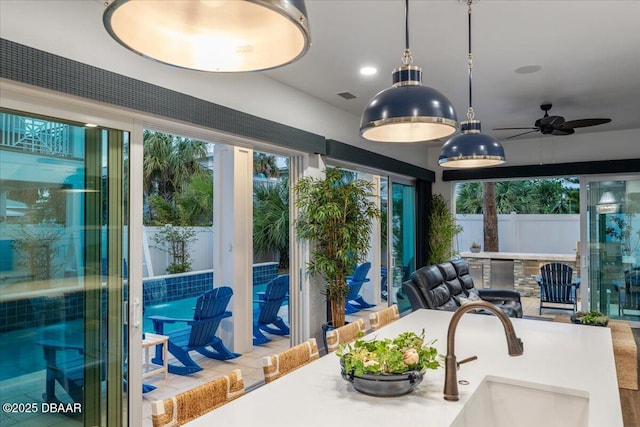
<point x="407" y="352"/>
<point x="388" y="367"/>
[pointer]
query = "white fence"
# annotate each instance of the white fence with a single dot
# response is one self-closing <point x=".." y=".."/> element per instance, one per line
<point x="201" y="251"/>
<point x="550" y="234"/>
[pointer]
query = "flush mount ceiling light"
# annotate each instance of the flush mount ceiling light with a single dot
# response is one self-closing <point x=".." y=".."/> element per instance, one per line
<point x="408" y="111"/>
<point x="212" y="35"/>
<point x="471" y="149"/>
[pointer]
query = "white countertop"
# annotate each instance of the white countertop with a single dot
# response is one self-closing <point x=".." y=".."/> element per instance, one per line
<point x="559" y="354"/>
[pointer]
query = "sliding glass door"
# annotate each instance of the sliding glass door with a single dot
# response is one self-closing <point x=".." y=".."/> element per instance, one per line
<point x="612" y="256"/>
<point x="63" y="252"/>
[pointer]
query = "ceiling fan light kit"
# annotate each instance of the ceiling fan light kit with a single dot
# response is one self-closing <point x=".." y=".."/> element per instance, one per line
<point x="408" y="111"/>
<point x="471" y="148"/>
<point x="212" y="35"/>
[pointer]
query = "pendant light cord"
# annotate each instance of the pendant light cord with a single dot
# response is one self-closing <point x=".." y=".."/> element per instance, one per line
<point x="470" y="63"/>
<point x="406" y="24"/>
<point x="407" y="59"/>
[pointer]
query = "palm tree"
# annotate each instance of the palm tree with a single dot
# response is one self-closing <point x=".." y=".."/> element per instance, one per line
<point x="515" y="196"/>
<point x="469" y="198"/>
<point x="196" y="201"/>
<point x="156" y="173"/>
<point x="271" y="220"/>
<point x="490" y="217"/>
<point x="557" y="197"/>
<point x="169" y="163"/>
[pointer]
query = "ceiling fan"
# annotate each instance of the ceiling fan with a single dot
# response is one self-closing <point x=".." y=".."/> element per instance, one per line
<point x="555" y="125"/>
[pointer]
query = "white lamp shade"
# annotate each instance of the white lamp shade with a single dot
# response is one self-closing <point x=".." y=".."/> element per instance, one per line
<point x="212" y="35"/>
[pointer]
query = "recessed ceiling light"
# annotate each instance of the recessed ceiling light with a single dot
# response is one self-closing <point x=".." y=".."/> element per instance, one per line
<point x="90" y="125"/>
<point x="528" y="69"/>
<point x="368" y="71"/>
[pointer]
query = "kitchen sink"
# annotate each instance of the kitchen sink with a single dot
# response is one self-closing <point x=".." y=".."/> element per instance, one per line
<point x="502" y="402"/>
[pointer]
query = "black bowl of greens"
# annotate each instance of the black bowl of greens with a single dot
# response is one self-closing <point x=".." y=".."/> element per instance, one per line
<point x="388" y="367"/>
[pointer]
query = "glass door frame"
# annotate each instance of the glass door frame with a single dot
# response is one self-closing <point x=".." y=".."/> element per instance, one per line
<point x="391" y="261"/>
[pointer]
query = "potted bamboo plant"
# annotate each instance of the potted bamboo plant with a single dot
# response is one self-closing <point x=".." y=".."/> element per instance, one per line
<point x="335" y="217"/>
<point x="443" y="229"/>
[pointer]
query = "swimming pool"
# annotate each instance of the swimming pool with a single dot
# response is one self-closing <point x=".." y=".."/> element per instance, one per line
<point x="181" y="308"/>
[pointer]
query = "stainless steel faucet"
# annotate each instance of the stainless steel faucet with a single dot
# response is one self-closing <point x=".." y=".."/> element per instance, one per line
<point x="451" y="365"/>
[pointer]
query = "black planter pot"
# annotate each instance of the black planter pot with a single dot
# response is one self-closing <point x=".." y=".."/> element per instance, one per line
<point x="326" y="326"/>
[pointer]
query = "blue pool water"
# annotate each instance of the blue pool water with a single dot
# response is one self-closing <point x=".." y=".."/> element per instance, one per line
<point x="182" y="308"/>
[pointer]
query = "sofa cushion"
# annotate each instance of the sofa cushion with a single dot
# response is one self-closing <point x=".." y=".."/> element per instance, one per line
<point x="433" y="289"/>
<point x="451" y="279"/>
<point x="462" y="271"/>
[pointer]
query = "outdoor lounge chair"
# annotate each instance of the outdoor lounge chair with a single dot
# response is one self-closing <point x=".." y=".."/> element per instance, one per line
<point x="266" y="318"/>
<point x="354" y="301"/>
<point x="201" y="332"/>
<point x="557" y="287"/>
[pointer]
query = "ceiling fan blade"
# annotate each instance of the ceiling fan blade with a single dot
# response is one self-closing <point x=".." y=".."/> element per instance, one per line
<point x="554" y="121"/>
<point x="572" y="124"/>
<point x="562" y="131"/>
<point x="520" y="134"/>
<point x="514" y="128"/>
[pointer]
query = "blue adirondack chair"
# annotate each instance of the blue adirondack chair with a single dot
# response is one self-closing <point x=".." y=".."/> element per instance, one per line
<point x="199" y="334"/>
<point x="384" y="290"/>
<point x="266" y="318"/>
<point x="65" y="361"/>
<point x="629" y="292"/>
<point x="557" y="287"/>
<point x="354" y="301"/>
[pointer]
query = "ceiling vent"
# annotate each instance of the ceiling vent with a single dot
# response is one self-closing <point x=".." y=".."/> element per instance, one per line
<point x="347" y="95"/>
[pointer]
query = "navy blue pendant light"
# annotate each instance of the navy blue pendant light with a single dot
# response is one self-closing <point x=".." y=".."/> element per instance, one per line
<point x="212" y="35"/>
<point x="471" y="149"/>
<point x="408" y="111"/>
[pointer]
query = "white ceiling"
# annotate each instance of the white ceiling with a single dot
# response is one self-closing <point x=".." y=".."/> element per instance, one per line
<point x="588" y="51"/>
